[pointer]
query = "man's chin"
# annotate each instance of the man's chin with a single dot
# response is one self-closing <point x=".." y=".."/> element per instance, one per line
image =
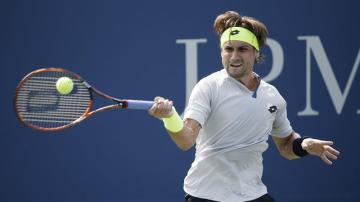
<point x="235" y="72"/>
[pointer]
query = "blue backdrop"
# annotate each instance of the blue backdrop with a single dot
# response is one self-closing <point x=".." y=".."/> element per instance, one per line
<point x="141" y="49"/>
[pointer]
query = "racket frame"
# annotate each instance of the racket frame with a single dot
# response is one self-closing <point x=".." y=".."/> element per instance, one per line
<point x="118" y="103"/>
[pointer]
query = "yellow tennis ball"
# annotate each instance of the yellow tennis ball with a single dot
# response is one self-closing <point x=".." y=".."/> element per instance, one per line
<point x="64" y="85"/>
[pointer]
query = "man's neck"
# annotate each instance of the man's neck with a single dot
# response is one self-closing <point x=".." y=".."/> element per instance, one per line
<point x="251" y="81"/>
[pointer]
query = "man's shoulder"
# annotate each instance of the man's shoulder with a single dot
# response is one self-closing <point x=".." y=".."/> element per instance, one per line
<point x="214" y="77"/>
<point x="271" y="92"/>
<point x="269" y="87"/>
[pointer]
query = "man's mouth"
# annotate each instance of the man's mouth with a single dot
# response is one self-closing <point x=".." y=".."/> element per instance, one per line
<point x="235" y="65"/>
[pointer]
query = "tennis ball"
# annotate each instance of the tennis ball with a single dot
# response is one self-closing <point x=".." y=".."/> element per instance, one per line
<point x="64" y="85"/>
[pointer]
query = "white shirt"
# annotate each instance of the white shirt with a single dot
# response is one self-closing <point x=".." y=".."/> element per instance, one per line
<point x="235" y="128"/>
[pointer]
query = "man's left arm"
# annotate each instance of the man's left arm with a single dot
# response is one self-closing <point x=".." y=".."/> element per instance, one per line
<point x="294" y="146"/>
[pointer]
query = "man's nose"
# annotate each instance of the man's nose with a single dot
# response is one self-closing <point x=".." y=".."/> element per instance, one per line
<point x="235" y="55"/>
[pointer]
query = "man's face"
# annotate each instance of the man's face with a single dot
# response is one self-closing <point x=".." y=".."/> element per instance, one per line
<point x="238" y="58"/>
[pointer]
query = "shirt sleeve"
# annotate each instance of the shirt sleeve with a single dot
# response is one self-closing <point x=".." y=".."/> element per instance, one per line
<point x="198" y="107"/>
<point x="281" y="125"/>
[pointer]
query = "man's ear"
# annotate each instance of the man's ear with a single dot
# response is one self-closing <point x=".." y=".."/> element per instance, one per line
<point x="257" y="59"/>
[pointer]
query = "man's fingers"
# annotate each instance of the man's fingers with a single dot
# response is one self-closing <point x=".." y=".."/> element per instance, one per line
<point x="333" y="151"/>
<point x="158" y="99"/>
<point x="330" y="155"/>
<point x="162" y="107"/>
<point x="323" y="142"/>
<point x="325" y="159"/>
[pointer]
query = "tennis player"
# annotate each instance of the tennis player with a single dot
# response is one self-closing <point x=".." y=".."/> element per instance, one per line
<point x="230" y="115"/>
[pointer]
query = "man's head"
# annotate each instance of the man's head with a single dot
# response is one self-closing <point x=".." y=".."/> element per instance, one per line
<point x="231" y="26"/>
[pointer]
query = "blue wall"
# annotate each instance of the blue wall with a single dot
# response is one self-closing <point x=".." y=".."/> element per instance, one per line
<point x="129" y="50"/>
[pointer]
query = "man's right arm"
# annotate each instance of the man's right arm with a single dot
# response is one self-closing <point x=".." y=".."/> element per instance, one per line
<point x="184" y="138"/>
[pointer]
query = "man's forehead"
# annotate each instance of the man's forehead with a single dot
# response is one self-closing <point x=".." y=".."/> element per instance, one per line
<point x="236" y="43"/>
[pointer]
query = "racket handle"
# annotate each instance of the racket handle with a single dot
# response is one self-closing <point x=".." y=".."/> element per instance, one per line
<point x="139" y="104"/>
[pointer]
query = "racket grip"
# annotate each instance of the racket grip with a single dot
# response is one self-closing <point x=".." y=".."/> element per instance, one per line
<point x="139" y="104"/>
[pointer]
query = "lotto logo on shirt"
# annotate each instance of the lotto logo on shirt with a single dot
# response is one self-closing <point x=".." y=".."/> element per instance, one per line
<point x="272" y="109"/>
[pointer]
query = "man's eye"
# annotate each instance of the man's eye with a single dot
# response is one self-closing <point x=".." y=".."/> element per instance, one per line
<point x="228" y="49"/>
<point x="243" y="48"/>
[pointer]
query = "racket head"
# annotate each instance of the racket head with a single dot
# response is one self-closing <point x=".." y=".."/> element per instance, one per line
<point x="40" y="106"/>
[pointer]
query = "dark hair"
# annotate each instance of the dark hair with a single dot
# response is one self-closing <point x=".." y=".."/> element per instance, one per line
<point x="234" y="19"/>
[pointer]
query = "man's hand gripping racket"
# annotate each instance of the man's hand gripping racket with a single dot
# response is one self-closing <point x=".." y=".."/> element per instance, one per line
<point x="52" y="99"/>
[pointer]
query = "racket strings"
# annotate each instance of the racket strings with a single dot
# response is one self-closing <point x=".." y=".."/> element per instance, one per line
<point x="39" y="104"/>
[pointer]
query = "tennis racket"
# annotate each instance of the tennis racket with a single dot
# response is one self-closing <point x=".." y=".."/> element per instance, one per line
<point x="40" y="106"/>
